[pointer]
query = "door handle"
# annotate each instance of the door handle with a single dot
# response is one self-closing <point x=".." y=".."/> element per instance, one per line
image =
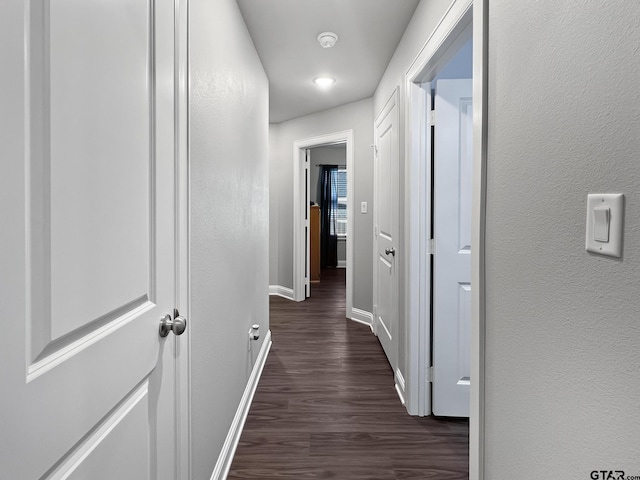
<point x="390" y="251"/>
<point x="177" y="324"/>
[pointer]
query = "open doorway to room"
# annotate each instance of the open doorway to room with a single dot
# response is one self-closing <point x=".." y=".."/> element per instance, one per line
<point x="323" y="211"/>
<point x="441" y="175"/>
<point x="328" y="203"/>
<point x="466" y="21"/>
<point x="450" y="98"/>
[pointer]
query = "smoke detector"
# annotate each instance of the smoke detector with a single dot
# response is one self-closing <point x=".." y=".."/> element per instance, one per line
<point x="327" y="39"/>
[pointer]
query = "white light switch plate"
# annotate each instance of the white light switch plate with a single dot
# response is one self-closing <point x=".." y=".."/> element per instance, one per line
<point x="363" y="207"/>
<point x="613" y="205"/>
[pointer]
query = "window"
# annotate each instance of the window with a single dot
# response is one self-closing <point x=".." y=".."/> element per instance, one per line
<point x="340" y="213"/>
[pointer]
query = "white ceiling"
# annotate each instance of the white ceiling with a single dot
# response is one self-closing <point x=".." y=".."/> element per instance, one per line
<point x="284" y="33"/>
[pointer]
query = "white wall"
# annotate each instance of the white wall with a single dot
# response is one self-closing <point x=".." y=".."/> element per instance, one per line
<point x="354" y="116"/>
<point x="425" y="19"/>
<point x="334" y="155"/>
<point x="563" y="325"/>
<point x="229" y="219"/>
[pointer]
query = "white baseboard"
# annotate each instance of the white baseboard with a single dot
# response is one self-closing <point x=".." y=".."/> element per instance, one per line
<point x="400" y="385"/>
<point x="281" y="291"/>
<point x="223" y="464"/>
<point x="342" y="264"/>
<point x="362" y="316"/>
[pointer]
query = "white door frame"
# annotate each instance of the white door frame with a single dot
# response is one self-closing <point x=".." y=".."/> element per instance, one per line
<point x="182" y="221"/>
<point x="300" y="254"/>
<point x="461" y="15"/>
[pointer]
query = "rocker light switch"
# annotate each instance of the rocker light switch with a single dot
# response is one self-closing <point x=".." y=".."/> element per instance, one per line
<point x="601" y="224"/>
<point x="605" y="214"/>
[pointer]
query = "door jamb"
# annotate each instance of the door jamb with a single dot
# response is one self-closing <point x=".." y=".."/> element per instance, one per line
<point x="182" y="393"/>
<point x="461" y="14"/>
<point x="299" y="253"/>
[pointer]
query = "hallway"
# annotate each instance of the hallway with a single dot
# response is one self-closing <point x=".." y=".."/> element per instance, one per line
<point x="326" y="406"/>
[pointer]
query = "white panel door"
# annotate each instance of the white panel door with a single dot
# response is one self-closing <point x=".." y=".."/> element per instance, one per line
<point x="386" y="230"/>
<point x="452" y="259"/>
<point x="88" y="249"/>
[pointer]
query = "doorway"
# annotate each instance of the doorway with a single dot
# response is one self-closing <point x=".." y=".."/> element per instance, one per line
<point x="465" y="19"/>
<point x="421" y="82"/>
<point x="328" y="191"/>
<point x="303" y="186"/>
<point x="451" y="131"/>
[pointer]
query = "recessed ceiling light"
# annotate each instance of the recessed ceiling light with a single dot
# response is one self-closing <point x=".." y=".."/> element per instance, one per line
<point x="324" y="82"/>
<point x="327" y="39"/>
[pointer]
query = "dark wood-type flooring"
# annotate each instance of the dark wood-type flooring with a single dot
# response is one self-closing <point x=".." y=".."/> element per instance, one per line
<point x="326" y="406"/>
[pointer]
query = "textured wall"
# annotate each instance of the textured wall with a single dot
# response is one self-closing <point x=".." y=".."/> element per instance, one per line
<point x="229" y="219"/>
<point x="353" y="116"/>
<point x="563" y="325"/>
<point x="324" y="156"/>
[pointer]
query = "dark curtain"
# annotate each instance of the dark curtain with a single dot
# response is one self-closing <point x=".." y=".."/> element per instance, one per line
<point x="328" y="207"/>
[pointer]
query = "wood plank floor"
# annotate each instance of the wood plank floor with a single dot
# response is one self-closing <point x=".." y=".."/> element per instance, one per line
<point x="326" y="406"/>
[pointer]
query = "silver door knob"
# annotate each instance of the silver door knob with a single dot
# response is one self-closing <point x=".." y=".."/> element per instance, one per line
<point x="390" y="251"/>
<point x="177" y="324"/>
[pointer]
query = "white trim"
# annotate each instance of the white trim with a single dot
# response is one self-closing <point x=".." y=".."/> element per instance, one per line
<point x="281" y="291"/>
<point x="342" y="239"/>
<point x="400" y="395"/>
<point x="299" y="147"/>
<point x="417" y="233"/>
<point x="225" y="459"/>
<point x="431" y="57"/>
<point x="183" y="255"/>
<point x="361" y="316"/>
<point x="479" y="200"/>
<point x="400" y="385"/>
<point x="307" y="224"/>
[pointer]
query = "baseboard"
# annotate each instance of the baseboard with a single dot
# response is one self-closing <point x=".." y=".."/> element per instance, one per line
<point x="342" y="264"/>
<point x="281" y="291"/>
<point x="362" y="316"/>
<point x="400" y="385"/>
<point x="223" y="464"/>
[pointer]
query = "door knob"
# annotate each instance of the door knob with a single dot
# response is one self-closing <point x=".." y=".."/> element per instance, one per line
<point x="177" y="324"/>
<point x="390" y="251"/>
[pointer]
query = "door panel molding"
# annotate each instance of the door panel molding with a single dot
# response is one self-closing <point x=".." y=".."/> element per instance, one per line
<point x="132" y="409"/>
<point x="57" y="122"/>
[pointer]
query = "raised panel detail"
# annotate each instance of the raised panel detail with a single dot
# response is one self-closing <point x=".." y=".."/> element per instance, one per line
<point x="464" y="333"/>
<point x="91" y="170"/>
<point x="465" y="174"/>
<point x="384" y="209"/>
<point x="385" y="277"/>
<point x="122" y="436"/>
